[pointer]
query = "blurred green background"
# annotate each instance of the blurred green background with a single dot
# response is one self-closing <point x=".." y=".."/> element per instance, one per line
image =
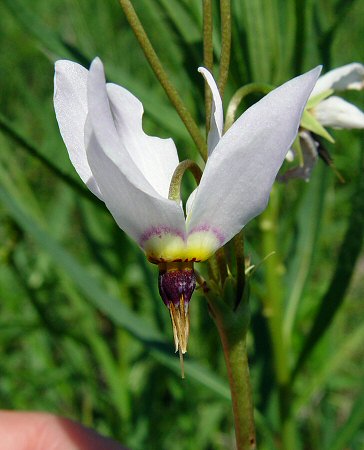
<point x="83" y="332"/>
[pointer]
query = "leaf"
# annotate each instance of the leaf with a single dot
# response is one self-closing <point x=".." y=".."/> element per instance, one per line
<point x="315" y="100"/>
<point x="183" y="20"/>
<point x="343" y="435"/>
<point x="309" y="220"/>
<point x="34" y="27"/>
<point x="58" y="48"/>
<point x="348" y="255"/>
<point x="309" y="122"/>
<point x="115" y="310"/>
<point x="256" y="35"/>
<point x="15" y="135"/>
<point x="330" y="366"/>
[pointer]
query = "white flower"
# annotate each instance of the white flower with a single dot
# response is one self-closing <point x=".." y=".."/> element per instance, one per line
<point x="334" y="111"/>
<point x="325" y="110"/>
<point x="101" y="125"/>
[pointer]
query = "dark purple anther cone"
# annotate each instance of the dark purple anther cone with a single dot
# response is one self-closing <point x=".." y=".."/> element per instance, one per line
<point x="176" y="281"/>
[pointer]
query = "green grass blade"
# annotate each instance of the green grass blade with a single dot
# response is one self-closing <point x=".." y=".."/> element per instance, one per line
<point x="309" y="219"/>
<point x="256" y="40"/>
<point x="35" y="28"/>
<point x="289" y="24"/>
<point x="342" y="437"/>
<point x="16" y="136"/>
<point x="115" y="310"/>
<point x="271" y="12"/>
<point x="348" y="255"/>
<point x="156" y="105"/>
<point x="332" y="364"/>
<point x="183" y="20"/>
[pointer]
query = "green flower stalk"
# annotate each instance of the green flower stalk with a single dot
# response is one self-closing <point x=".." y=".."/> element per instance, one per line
<point x="162" y="76"/>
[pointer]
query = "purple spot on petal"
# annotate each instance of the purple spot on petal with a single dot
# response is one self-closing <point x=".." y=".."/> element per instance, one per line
<point x="208" y="228"/>
<point x="159" y="231"/>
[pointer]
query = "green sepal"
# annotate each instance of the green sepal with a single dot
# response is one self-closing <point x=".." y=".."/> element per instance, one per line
<point x="309" y="122"/>
<point x="229" y="292"/>
<point x="233" y="318"/>
<point x="316" y="99"/>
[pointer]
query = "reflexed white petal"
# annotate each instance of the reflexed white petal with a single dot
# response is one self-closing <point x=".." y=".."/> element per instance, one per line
<point x="135" y="211"/>
<point x="238" y="176"/>
<point x="217" y="114"/>
<point x="338" y="113"/>
<point x="156" y="158"/>
<point x="190" y="201"/>
<point x="70" y="104"/>
<point x="135" y="205"/>
<point x="350" y="76"/>
<point x="105" y="131"/>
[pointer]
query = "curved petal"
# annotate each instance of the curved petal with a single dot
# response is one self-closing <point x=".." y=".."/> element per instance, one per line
<point x="338" y="113"/>
<point x="190" y="201"/>
<point x="103" y="126"/>
<point x="156" y="158"/>
<point x="137" y="208"/>
<point x="70" y="104"/>
<point x="350" y="76"/>
<point x="238" y="176"/>
<point x="217" y="114"/>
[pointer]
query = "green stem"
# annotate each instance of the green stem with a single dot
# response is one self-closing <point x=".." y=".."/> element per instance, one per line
<point x="208" y="55"/>
<point x="273" y="309"/>
<point x="232" y="326"/>
<point x="176" y="181"/>
<point x="220" y="258"/>
<point x="159" y="71"/>
<point x="238" y="97"/>
<point x="238" y="371"/>
<point x="225" y="12"/>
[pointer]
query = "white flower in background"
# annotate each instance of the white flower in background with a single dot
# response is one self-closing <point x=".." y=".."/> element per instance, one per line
<point x="326" y="110"/>
<point x="101" y="125"/>
<point x="332" y="111"/>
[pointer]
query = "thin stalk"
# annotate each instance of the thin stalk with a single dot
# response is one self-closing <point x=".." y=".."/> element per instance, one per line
<point x="238" y="97"/>
<point x="220" y="259"/>
<point x="232" y="327"/>
<point x="162" y="76"/>
<point x="239" y="379"/>
<point x="273" y="306"/>
<point x="208" y="55"/>
<point x="176" y="181"/>
<point x="225" y="12"/>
